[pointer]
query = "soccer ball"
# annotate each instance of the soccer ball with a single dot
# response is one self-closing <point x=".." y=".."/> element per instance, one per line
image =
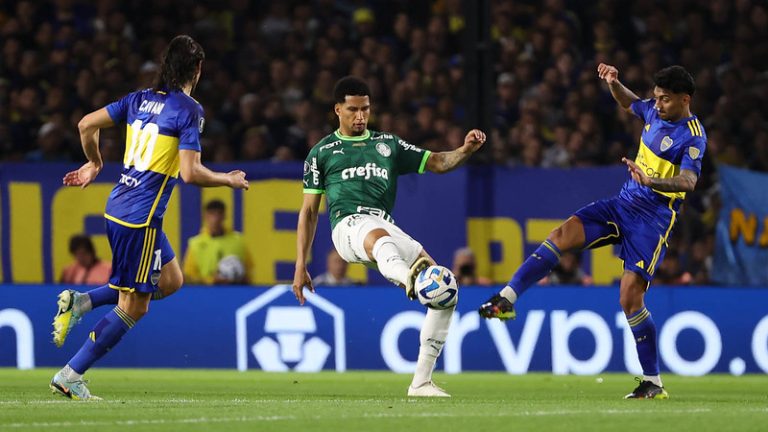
<point x="231" y="268"/>
<point x="436" y="288"/>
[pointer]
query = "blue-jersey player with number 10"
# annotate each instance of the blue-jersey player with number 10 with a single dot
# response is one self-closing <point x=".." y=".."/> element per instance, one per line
<point x="162" y="139"/>
<point x="639" y="219"/>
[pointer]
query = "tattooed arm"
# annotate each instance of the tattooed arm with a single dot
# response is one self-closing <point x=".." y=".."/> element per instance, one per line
<point x="683" y="182"/>
<point x="442" y="162"/>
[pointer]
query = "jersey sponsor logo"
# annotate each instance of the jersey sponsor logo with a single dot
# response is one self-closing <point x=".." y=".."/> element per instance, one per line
<point x="382" y="136"/>
<point x="408" y="146"/>
<point x="306" y="167"/>
<point x="201" y="125"/>
<point x="315" y="172"/>
<point x="339" y="151"/>
<point x="329" y="145"/>
<point x="365" y="172"/>
<point x="152" y="107"/>
<point x="129" y="181"/>
<point x="383" y="149"/>
<point x="666" y="143"/>
<point x="694" y="153"/>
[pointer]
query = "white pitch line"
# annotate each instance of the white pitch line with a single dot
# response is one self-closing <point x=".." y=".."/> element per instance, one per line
<point x="244" y="419"/>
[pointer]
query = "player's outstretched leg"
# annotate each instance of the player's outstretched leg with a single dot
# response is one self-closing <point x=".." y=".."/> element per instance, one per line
<point x="432" y="338"/>
<point x="641" y="322"/>
<point x="69" y="381"/>
<point x="535" y="267"/>
<point x="72" y="305"/>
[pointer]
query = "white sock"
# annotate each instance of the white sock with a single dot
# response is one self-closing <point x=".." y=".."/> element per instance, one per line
<point x="390" y="262"/>
<point x="656" y="379"/>
<point x="69" y="374"/>
<point x="83" y="304"/>
<point x="509" y="294"/>
<point x="432" y="337"/>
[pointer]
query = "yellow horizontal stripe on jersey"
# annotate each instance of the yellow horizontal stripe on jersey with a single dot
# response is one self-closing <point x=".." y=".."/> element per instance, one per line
<point x="655" y="166"/>
<point x="165" y="154"/>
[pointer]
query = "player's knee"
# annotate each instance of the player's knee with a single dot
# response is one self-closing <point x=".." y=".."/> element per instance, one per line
<point x="558" y="237"/>
<point x="630" y="301"/>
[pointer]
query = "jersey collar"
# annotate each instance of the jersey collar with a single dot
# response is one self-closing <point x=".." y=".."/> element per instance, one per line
<point x="364" y="136"/>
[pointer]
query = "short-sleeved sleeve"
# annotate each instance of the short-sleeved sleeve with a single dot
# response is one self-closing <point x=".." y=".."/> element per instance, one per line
<point x="693" y="155"/>
<point x="118" y="110"/>
<point x="313" y="176"/>
<point x="410" y="159"/>
<point x="190" y="123"/>
<point x="642" y="107"/>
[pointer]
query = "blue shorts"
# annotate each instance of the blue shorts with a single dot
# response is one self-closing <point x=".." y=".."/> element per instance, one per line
<point x="642" y="232"/>
<point x="138" y="255"/>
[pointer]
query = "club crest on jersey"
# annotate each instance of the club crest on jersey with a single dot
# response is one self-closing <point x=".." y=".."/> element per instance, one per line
<point x="666" y="143"/>
<point x="693" y="152"/>
<point x="383" y="149"/>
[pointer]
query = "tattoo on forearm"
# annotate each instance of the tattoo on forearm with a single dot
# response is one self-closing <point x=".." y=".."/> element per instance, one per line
<point x="679" y="183"/>
<point x="452" y="159"/>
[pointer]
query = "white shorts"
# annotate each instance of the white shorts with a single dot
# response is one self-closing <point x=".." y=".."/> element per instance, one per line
<point x="349" y="235"/>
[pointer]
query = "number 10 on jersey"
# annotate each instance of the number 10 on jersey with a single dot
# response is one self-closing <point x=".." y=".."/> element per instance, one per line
<point x="143" y="140"/>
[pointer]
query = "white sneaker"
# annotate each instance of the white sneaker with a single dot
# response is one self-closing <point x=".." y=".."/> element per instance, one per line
<point x="428" y="389"/>
<point x="76" y="390"/>
<point x="420" y="264"/>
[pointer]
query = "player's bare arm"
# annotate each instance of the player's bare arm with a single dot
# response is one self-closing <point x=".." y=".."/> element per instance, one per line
<point x="623" y="95"/>
<point x="443" y="162"/>
<point x="194" y="172"/>
<point x="89" y="128"/>
<point x="305" y="234"/>
<point x="683" y="182"/>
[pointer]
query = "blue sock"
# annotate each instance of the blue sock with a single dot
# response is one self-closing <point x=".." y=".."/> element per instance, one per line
<point x="644" y="330"/>
<point x="535" y="267"/>
<point x="103" y="295"/>
<point x="106" y="334"/>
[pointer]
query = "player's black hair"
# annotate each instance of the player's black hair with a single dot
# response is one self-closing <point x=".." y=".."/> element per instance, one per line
<point x="179" y="64"/>
<point x="350" y="86"/>
<point x="675" y="79"/>
<point x="215" y="205"/>
<point x="81" y="241"/>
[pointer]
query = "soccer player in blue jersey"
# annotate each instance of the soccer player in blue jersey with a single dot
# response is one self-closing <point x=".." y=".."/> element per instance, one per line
<point x="162" y="140"/>
<point x="640" y="218"/>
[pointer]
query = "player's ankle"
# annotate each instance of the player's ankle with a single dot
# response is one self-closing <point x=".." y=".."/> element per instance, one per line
<point x="508" y="293"/>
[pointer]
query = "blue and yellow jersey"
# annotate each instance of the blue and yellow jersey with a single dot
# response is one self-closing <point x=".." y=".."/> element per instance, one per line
<point x="666" y="148"/>
<point x="159" y="124"/>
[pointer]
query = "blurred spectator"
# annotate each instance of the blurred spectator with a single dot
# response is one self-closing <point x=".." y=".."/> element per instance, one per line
<point x="268" y="77"/>
<point x="568" y="271"/>
<point x="336" y="271"/>
<point x="465" y="268"/>
<point x="218" y="255"/>
<point x="670" y="271"/>
<point x="87" y="269"/>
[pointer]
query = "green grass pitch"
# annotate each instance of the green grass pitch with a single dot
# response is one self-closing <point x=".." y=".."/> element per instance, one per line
<point x="204" y="400"/>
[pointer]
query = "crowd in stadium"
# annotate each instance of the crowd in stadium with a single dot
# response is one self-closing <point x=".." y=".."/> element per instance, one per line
<point x="271" y="65"/>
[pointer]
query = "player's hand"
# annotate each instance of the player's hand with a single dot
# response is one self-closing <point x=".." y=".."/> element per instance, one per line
<point x="83" y="176"/>
<point x="608" y="73"/>
<point x="474" y="140"/>
<point x="636" y="172"/>
<point x="301" y="279"/>
<point x="237" y="180"/>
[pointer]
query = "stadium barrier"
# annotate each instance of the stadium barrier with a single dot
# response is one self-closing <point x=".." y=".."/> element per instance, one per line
<point x="502" y="214"/>
<point x="565" y="330"/>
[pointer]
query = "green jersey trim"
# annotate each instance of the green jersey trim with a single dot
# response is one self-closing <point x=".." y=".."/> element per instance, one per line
<point x="362" y="137"/>
<point x="314" y="191"/>
<point x="424" y="161"/>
